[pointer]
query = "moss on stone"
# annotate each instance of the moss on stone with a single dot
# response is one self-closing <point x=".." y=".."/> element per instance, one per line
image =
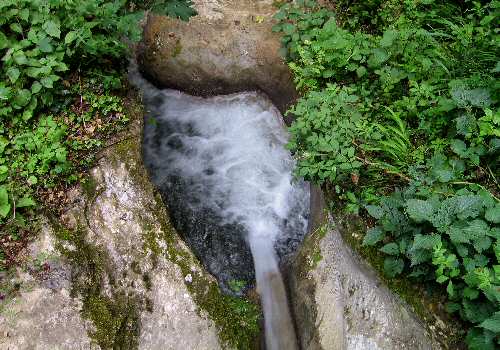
<point x="115" y="318"/>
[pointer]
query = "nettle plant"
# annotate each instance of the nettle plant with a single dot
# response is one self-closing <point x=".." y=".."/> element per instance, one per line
<point x="438" y="228"/>
<point x="400" y="115"/>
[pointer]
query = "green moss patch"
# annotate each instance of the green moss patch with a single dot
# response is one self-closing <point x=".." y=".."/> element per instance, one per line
<point x="115" y="318"/>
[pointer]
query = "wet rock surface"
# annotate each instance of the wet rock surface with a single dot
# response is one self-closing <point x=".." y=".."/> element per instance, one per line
<point x="229" y="47"/>
<point x="339" y="302"/>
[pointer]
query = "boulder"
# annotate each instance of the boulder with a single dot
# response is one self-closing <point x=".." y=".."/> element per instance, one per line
<point x="339" y="303"/>
<point x="228" y="47"/>
<point x="111" y="272"/>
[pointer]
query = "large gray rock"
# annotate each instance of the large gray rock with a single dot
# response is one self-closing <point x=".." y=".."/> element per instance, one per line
<point x="111" y="272"/>
<point x="340" y="304"/>
<point x="229" y="47"/>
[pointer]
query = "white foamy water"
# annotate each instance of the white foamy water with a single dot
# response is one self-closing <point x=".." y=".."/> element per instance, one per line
<point x="231" y="149"/>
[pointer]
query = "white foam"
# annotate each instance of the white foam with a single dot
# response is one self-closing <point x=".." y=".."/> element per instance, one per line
<point x="233" y="149"/>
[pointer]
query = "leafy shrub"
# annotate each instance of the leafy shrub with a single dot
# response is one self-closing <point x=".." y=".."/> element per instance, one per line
<point x="439" y="229"/>
<point x="399" y="113"/>
<point x="62" y="62"/>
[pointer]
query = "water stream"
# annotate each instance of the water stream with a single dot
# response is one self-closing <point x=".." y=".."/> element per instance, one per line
<point x="224" y="157"/>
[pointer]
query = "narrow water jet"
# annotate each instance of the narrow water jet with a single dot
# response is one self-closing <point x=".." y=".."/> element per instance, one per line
<point x="224" y="172"/>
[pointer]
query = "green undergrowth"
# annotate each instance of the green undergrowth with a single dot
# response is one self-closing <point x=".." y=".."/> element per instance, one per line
<point x="399" y="118"/>
<point x="62" y="95"/>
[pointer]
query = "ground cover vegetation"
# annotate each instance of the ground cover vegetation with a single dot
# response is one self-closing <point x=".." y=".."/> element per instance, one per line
<point x="62" y="94"/>
<point x="399" y="116"/>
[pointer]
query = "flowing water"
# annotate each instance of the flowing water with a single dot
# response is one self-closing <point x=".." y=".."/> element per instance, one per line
<point x="225" y="155"/>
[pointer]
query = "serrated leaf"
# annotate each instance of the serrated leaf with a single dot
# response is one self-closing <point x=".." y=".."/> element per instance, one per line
<point x="418" y="256"/>
<point x="45" y="45"/>
<point x="70" y="37"/>
<point x="52" y="29"/>
<point x="373" y="236"/>
<point x="393" y="266"/>
<point x="458" y="146"/>
<point x="492" y="323"/>
<point x="20" y="58"/>
<point x="476" y="228"/>
<point x="390" y="248"/>
<point x="388" y="38"/>
<point x="470" y="293"/>
<point x="480" y="339"/>
<point x="16" y="27"/>
<point x="450" y="289"/>
<point x="458" y="234"/>
<point x="23" y="97"/>
<point x="375" y="211"/>
<point x="425" y="241"/>
<point x="482" y="243"/>
<point x="36" y="87"/>
<point x="4" y="42"/>
<point x="442" y="279"/>
<point x="493" y="214"/>
<point x="419" y="210"/>
<point x="13" y="74"/>
<point x="468" y="206"/>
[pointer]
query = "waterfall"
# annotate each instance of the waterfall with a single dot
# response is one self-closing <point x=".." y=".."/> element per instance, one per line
<point x="229" y="152"/>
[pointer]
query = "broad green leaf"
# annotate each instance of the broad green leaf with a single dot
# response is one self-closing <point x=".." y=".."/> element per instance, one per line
<point x="375" y="211"/>
<point x="23" y="97"/>
<point x="419" y="210"/>
<point x="388" y="38"/>
<point x="4" y="202"/>
<point x="442" y="279"/>
<point x="393" y="266"/>
<point x="13" y="74"/>
<point x="450" y="289"/>
<point x="32" y="180"/>
<point x="45" y="45"/>
<point x="36" y="87"/>
<point x="19" y="57"/>
<point x="373" y="235"/>
<point x="48" y="82"/>
<point x="492" y="323"/>
<point x="390" y="249"/>
<point x="480" y="339"/>
<point x="482" y="243"/>
<point x="25" y="202"/>
<point x="458" y="146"/>
<point x="52" y="29"/>
<point x="70" y="37"/>
<point x="5" y="93"/>
<point x="470" y="293"/>
<point x="425" y="241"/>
<point x="493" y="214"/>
<point x="16" y="27"/>
<point x="4" y="42"/>
<point x="24" y="14"/>
<point x="418" y="256"/>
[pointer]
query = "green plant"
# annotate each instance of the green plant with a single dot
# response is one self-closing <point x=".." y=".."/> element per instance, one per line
<point x="401" y="98"/>
<point x="440" y="228"/>
<point x="61" y="95"/>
